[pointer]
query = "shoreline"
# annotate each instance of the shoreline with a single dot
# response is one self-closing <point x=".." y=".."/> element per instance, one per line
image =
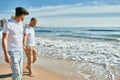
<point x="65" y="69"/>
<point x="55" y="69"/>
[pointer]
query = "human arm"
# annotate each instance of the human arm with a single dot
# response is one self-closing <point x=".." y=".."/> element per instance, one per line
<point x="24" y="41"/>
<point x="4" y="45"/>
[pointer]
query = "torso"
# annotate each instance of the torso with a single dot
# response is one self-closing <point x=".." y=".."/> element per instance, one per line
<point x="30" y="36"/>
<point x="15" y="36"/>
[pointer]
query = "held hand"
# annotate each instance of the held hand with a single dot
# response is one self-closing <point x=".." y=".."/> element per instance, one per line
<point x="7" y="58"/>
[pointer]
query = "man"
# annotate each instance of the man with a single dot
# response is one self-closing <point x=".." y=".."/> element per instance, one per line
<point x="29" y="42"/>
<point x="12" y="42"/>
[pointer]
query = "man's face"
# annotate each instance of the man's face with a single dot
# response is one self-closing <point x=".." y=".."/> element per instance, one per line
<point x="22" y="17"/>
<point x="33" y="23"/>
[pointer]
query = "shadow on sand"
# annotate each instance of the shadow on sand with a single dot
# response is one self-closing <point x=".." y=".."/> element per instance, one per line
<point x="6" y="75"/>
<point x="10" y="75"/>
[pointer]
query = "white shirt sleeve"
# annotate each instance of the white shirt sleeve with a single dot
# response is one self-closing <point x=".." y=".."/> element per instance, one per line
<point x="6" y="28"/>
<point x="26" y="31"/>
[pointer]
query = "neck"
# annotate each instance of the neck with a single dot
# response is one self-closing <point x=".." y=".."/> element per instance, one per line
<point x="17" y="19"/>
<point x="30" y="25"/>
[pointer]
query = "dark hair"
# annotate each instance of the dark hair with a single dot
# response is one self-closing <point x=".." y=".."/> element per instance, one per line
<point x="33" y="18"/>
<point x="20" y="11"/>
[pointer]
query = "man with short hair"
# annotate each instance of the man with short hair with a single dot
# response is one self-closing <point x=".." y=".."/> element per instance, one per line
<point x="29" y="42"/>
<point x="12" y="42"/>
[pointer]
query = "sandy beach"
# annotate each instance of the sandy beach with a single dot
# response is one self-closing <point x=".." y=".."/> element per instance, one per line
<point x="40" y="74"/>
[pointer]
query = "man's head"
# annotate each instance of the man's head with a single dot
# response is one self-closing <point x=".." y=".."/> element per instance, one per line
<point x="21" y="13"/>
<point x="33" y="22"/>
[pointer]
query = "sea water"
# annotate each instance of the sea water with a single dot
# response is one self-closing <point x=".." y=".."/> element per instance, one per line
<point x="95" y="51"/>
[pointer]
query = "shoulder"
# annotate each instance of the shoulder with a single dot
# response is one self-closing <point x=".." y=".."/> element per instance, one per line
<point x="6" y="27"/>
<point x="26" y="29"/>
<point x="7" y="24"/>
<point x="9" y="21"/>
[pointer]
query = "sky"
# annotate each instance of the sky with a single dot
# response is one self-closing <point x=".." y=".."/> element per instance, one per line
<point x="67" y="13"/>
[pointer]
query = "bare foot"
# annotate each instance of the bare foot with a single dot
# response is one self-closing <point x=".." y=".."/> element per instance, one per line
<point x="31" y="75"/>
<point x="30" y="72"/>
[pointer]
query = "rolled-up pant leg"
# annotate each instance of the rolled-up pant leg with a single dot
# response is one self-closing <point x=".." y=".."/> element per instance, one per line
<point x="29" y="56"/>
<point x="16" y="64"/>
<point x="35" y="54"/>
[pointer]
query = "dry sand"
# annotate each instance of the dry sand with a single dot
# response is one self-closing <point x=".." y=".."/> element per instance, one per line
<point x="40" y="74"/>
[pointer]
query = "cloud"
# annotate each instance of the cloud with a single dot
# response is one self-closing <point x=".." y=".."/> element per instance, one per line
<point x="80" y="22"/>
<point x="5" y="15"/>
<point x="73" y="9"/>
<point x="77" y="15"/>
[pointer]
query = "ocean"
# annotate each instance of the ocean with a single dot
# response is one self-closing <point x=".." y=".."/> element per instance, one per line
<point x="93" y="51"/>
<point x="81" y="32"/>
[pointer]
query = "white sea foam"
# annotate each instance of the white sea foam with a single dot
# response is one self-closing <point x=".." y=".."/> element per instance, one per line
<point x="100" y="58"/>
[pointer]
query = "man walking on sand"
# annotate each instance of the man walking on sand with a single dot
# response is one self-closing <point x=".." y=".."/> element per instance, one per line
<point x="12" y="42"/>
<point x="29" y="43"/>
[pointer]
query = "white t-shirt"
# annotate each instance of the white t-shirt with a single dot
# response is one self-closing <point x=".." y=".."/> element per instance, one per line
<point x="15" y="35"/>
<point x="30" y="36"/>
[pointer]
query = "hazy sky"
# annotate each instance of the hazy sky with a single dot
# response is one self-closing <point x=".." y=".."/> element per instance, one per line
<point x="67" y="13"/>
